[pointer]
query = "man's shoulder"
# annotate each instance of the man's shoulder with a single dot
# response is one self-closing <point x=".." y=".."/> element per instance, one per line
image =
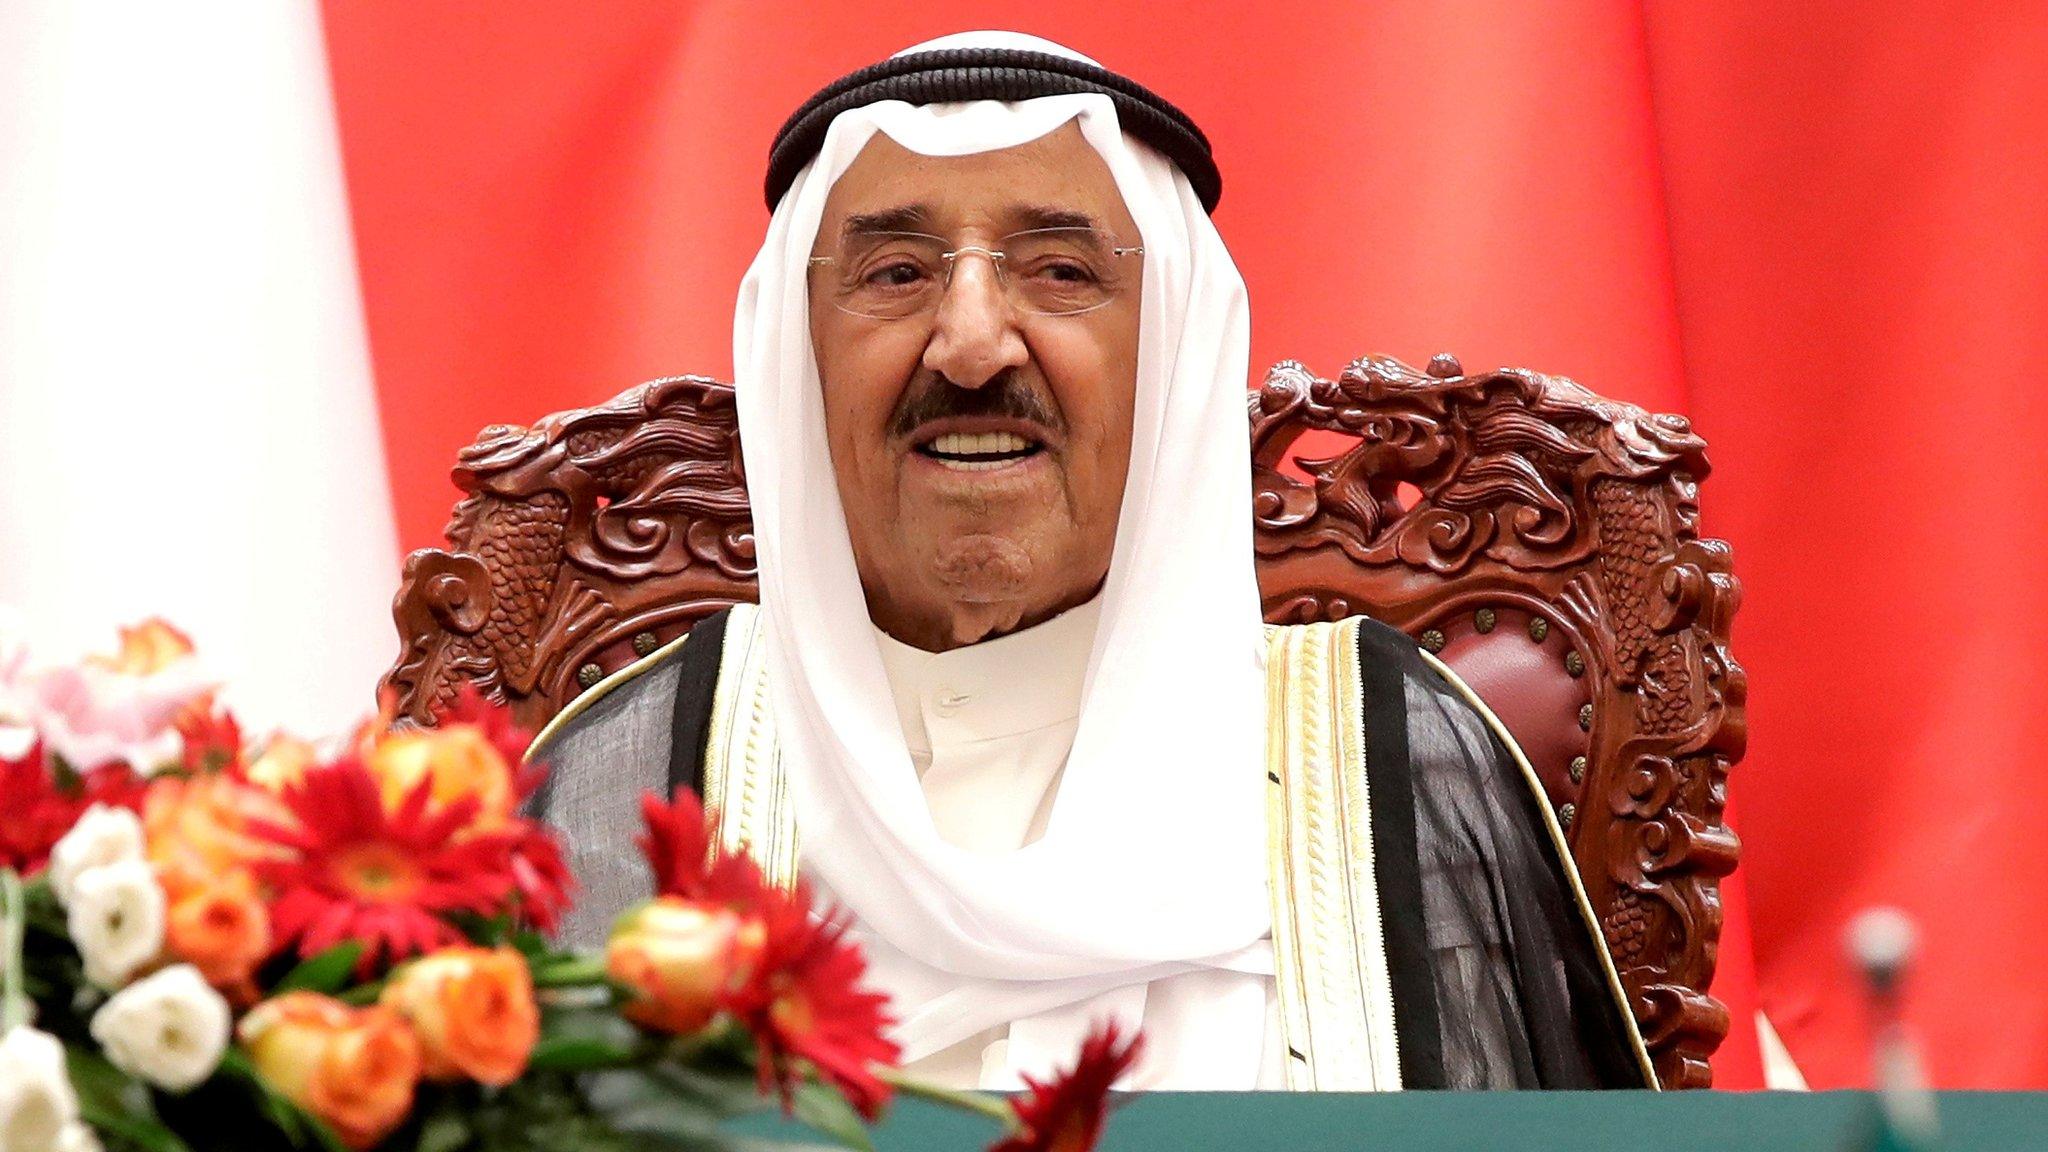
<point x="626" y="698"/>
<point x="628" y="695"/>
<point x="1379" y="644"/>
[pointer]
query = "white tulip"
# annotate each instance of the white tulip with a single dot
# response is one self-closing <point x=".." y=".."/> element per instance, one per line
<point x="169" y="1028"/>
<point x="37" y="1104"/>
<point x="117" y="920"/>
<point x="104" y="835"/>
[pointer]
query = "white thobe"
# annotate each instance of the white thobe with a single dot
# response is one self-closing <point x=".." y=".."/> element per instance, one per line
<point x="988" y="727"/>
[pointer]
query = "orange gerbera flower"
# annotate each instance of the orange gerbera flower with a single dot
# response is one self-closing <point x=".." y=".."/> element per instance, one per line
<point x="804" y="1006"/>
<point x="1066" y="1113"/>
<point x="388" y="878"/>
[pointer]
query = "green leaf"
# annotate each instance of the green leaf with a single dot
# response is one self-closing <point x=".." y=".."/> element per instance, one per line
<point x="821" y="1107"/>
<point x="96" y="1079"/>
<point x="117" y="1104"/>
<point x="570" y="1054"/>
<point x="533" y="945"/>
<point x="137" y="1130"/>
<point x="489" y="931"/>
<point x="327" y="972"/>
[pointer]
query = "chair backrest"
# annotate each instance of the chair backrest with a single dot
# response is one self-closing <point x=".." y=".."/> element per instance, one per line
<point x="1542" y="540"/>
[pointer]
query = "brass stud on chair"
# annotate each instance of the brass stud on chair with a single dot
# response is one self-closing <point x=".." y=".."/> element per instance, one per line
<point x="1565" y="814"/>
<point x="1432" y="641"/>
<point x="1538" y="628"/>
<point x="1483" y="620"/>
<point x="1574" y="664"/>
<point x="645" y="643"/>
<point x="1585" y="717"/>
<point x="589" y="675"/>
<point x="1578" y="769"/>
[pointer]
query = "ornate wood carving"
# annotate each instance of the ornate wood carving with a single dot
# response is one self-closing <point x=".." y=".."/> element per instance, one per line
<point x="581" y="543"/>
<point x="1449" y="505"/>
<point x="1542" y="539"/>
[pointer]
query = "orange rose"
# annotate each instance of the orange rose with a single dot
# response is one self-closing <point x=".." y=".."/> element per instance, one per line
<point x="679" y="957"/>
<point x="146" y="649"/>
<point x="285" y="759"/>
<point x="459" y="760"/>
<point x="473" y="1011"/>
<point x="221" y="928"/>
<point x="354" y="1068"/>
<point x="198" y="829"/>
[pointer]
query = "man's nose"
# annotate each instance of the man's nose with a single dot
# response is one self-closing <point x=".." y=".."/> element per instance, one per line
<point x="974" y="334"/>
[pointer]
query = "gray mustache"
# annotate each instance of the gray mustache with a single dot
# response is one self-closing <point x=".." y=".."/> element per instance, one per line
<point x="1006" y="396"/>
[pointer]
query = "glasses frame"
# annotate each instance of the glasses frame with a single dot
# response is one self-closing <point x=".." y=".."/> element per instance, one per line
<point x="997" y="257"/>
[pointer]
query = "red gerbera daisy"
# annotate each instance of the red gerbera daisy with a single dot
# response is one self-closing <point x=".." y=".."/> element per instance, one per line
<point x="540" y="876"/>
<point x="388" y="879"/>
<point x="494" y="721"/>
<point x="1066" y="1113"/>
<point x="679" y="846"/>
<point x="804" y="1006"/>
<point x="39" y="810"/>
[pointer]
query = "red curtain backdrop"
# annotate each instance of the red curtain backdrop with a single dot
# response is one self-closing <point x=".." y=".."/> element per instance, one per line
<point x="1817" y="229"/>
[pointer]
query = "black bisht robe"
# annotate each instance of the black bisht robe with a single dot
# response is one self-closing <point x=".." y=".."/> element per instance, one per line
<point x="1499" y="982"/>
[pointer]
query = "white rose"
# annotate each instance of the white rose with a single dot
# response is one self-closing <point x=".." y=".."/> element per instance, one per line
<point x="37" y="1105"/>
<point x="117" y="920"/>
<point x="104" y="835"/>
<point x="169" y="1028"/>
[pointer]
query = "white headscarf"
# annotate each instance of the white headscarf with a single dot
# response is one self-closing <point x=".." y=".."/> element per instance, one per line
<point x="1153" y="861"/>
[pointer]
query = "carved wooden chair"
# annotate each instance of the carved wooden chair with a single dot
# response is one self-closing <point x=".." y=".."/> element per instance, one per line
<point x="1542" y="540"/>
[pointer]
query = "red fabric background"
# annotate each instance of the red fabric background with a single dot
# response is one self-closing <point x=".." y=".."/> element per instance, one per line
<point x="1819" y="234"/>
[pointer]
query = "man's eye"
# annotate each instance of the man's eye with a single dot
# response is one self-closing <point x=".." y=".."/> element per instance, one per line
<point x="895" y="274"/>
<point x="1064" y="272"/>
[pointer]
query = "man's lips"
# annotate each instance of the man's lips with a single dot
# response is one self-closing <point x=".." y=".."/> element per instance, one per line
<point x="981" y="443"/>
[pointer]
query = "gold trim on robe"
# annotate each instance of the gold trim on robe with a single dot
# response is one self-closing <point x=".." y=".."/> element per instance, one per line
<point x="744" y="781"/>
<point x="598" y="691"/>
<point x="1330" y="955"/>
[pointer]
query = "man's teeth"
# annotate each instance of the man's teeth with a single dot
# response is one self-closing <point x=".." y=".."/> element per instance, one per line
<point x="978" y="444"/>
<point x="978" y="452"/>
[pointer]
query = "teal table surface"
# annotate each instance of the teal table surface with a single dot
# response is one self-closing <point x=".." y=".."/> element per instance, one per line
<point x="1579" y="1121"/>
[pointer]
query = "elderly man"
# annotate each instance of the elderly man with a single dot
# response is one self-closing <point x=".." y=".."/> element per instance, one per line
<point x="1007" y="696"/>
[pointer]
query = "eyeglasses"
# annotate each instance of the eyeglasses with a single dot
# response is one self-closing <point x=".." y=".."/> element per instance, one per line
<point x="1045" y="271"/>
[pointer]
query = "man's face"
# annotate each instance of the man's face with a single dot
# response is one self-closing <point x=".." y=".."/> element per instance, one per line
<point x="980" y="448"/>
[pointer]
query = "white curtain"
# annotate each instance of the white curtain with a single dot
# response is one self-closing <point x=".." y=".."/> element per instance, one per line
<point x="187" y="424"/>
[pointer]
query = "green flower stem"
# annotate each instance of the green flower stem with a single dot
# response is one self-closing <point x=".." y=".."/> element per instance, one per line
<point x="14" y="1004"/>
<point x="569" y="973"/>
<point x="993" y="1107"/>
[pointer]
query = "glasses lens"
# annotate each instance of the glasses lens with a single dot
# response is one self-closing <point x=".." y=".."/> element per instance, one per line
<point x="889" y="274"/>
<point x="1060" y="271"/>
<point x="1048" y="271"/>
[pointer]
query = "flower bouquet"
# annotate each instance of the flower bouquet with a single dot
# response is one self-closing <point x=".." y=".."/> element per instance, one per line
<point x="211" y="943"/>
